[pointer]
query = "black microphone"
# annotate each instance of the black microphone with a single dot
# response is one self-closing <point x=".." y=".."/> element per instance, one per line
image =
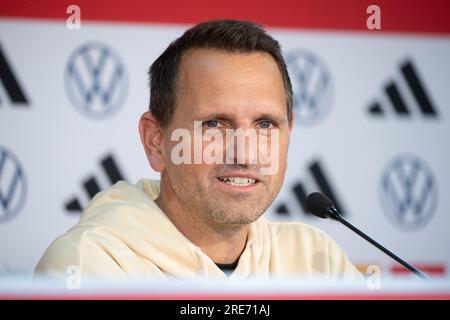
<point x="322" y="207"/>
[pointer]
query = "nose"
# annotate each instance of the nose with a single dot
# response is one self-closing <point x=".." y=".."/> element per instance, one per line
<point x="241" y="147"/>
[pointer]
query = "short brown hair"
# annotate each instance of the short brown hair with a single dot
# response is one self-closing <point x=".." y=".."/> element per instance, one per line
<point x="227" y="35"/>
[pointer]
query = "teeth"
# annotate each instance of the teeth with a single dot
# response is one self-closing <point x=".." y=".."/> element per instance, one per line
<point x="237" y="181"/>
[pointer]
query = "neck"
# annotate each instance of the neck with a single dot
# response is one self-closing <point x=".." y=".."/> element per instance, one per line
<point x="222" y="243"/>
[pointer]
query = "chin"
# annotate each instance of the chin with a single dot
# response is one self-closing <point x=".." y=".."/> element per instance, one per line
<point x="238" y="218"/>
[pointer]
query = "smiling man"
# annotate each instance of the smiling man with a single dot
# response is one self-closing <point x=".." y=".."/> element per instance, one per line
<point x="227" y="82"/>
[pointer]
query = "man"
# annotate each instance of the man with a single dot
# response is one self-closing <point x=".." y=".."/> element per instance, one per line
<point x="204" y="217"/>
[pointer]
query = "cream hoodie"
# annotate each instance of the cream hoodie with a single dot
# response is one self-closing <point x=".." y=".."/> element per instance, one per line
<point x="123" y="234"/>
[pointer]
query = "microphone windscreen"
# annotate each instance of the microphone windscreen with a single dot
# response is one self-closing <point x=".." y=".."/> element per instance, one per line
<point x="318" y="204"/>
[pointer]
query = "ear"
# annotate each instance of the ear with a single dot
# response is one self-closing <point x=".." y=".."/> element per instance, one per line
<point x="152" y="139"/>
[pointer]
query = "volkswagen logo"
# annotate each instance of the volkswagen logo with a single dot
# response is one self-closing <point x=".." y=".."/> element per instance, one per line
<point x="408" y="192"/>
<point x="312" y="86"/>
<point x="12" y="185"/>
<point x="95" y="80"/>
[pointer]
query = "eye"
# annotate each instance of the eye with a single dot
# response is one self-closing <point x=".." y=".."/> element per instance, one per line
<point x="265" y="124"/>
<point x="211" y="123"/>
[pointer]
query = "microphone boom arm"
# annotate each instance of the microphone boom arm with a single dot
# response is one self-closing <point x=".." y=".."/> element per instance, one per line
<point x="333" y="213"/>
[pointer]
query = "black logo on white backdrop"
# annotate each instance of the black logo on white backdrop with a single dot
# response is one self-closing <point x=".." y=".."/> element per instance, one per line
<point x="95" y="80"/>
<point x="316" y="179"/>
<point x="11" y="85"/>
<point x="13" y="185"/>
<point x="91" y="185"/>
<point x="405" y="97"/>
<point x="408" y="192"/>
<point x="312" y="85"/>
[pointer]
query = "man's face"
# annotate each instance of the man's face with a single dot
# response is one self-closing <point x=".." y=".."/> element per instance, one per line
<point x="225" y="91"/>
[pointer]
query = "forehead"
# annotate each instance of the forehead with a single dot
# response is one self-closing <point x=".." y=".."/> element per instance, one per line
<point x="236" y="82"/>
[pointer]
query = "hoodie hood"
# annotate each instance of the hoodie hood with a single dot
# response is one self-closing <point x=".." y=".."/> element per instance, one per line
<point x="123" y="234"/>
<point x="128" y="214"/>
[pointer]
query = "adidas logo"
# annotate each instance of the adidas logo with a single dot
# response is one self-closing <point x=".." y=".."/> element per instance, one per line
<point x="11" y="85"/>
<point x="91" y="185"/>
<point x="405" y="102"/>
<point x="317" y="181"/>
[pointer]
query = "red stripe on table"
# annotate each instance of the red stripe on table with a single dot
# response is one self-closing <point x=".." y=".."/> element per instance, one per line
<point x="231" y="297"/>
<point x="432" y="269"/>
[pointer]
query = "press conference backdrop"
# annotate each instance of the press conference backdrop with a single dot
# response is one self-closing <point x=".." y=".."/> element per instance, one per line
<point x="371" y="107"/>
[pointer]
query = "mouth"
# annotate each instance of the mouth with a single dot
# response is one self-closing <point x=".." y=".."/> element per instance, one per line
<point x="239" y="182"/>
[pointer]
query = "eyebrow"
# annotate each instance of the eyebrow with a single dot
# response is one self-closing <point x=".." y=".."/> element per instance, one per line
<point x="224" y="116"/>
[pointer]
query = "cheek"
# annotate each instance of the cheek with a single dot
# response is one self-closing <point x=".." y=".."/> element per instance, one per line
<point x="283" y="154"/>
<point x="284" y="146"/>
<point x="190" y="173"/>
